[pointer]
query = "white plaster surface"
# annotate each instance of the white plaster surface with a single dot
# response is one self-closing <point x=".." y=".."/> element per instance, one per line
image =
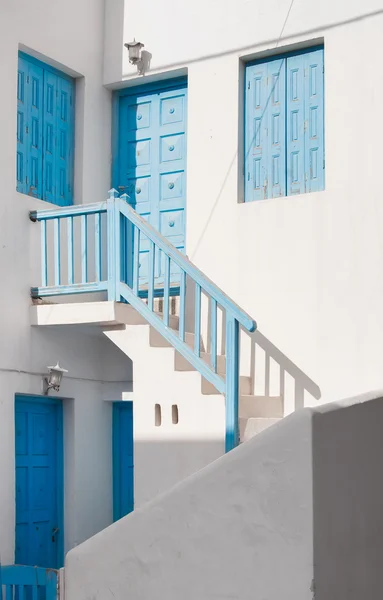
<point x="307" y="268"/>
<point x="169" y="452"/>
<point x="70" y="34"/>
<point x="276" y="518"/>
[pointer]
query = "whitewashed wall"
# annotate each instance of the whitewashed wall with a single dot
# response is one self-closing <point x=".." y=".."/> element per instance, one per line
<point x="308" y="268"/>
<point x="272" y="519"/>
<point x="70" y="34"/>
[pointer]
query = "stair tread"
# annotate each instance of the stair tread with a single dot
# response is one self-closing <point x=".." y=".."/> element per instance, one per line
<point x="209" y="389"/>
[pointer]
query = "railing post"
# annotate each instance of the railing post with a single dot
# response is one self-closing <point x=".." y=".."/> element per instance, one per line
<point x="113" y="217"/>
<point x="232" y="382"/>
<point x="127" y="247"/>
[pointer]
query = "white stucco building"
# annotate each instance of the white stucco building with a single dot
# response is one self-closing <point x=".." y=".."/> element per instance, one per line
<point x="247" y="135"/>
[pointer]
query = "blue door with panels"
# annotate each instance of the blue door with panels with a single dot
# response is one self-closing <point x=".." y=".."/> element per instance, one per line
<point x="284" y="118"/>
<point x="39" y="482"/>
<point x="151" y="164"/>
<point x="123" y="459"/>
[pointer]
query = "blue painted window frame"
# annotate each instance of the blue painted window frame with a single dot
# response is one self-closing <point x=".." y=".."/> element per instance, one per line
<point x="53" y="186"/>
<point x="117" y="405"/>
<point x="60" y="462"/>
<point x="248" y="138"/>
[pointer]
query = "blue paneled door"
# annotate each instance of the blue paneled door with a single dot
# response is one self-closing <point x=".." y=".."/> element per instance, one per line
<point x="152" y="164"/>
<point x="123" y="463"/>
<point x="39" y="482"/>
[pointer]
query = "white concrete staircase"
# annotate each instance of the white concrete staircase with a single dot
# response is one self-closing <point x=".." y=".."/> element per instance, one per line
<point x="256" y="413"/>
<point x="178" y="416"/>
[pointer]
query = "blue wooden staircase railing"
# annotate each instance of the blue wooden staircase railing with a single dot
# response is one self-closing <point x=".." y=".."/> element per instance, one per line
<point x="116" y="232"/>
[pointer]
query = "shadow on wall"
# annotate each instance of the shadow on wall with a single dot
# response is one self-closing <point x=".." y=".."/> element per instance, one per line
<point x="277" y="374"/>
<point x="348" y="496"/>
<point x="144" y="64"/>
<point x="271" y="372"/>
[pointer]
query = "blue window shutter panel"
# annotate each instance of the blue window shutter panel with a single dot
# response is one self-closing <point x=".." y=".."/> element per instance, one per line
<point x="50" y="137"/>
<point x="34" y="181"/>
<point x="45" y="132"/>
<point x="21" y="131"/>
<point x="314" y="119"/>
<point x="276" y="131"/>
<point x="295" y="126"/>
<point x="257" y="117"/>
<point x="64" y="142"/>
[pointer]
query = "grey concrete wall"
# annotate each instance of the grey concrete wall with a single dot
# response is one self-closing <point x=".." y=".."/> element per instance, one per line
<point x="293" y="514"/>
<point x="348" y="500"/>
<point x="240" y="528"/>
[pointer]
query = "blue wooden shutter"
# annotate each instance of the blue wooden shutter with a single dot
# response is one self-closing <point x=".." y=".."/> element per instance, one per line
<point x="256" y="148"/>
<point x="314" y="119"/>
<point x="22" y="136"/>
<point x="276" y="131"/>
<point x="64" y="142"/>
<point x="265" y="130"/>
<point x="295" y="108"/>
<point x="50" y="136"/>
<point x="34" y="182"/>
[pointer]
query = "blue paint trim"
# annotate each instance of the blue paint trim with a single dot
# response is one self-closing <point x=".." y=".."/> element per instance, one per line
<point x="26" y="398"/>
<point x="47" y="151"/>
<point x="116" y="458"/>
<point x="57" y="261"/>
<point x="173" y="338"/>
<point x="282" y="55"/>
<point x="159" y="86"/>
<point x="84" y="249"/>
<point x="156" y="86"/>
<point x="151" y="274"/>
<point x="190" y="269"/>
<point x="290" y="164"/>
<point x="44" y="258"/>
<point x="213" y="334"/>
<point x="70" y="251"/>
<point x="159" y="292"/>
<point x="68" y="211"/>
<point x="112" y="274"/>
<point x="98" y="246"/>
<point x="65" y="290"/>
<point x="120" y="215"/>
<point x="166" y="290"/>
<point x="44" y="65"/>
<point x="232" y="383"/>
<point x="17" y="579"/>
<point x="197" y="321"/>
<point x="115" y="139"/>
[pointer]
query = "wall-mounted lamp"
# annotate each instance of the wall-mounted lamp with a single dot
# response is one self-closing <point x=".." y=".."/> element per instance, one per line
<point x="134" y="49"/>
<point x="53" y="381"/>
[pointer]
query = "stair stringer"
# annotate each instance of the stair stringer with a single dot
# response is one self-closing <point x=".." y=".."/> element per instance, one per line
<point x="168" y="451"/>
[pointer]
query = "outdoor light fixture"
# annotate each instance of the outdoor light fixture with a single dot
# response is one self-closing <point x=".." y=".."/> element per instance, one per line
<point x="54" y="378"/>
<point x="134" y="49"/>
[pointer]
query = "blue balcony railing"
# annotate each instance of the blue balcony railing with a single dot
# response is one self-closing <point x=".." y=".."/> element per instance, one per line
<point x="98" y="248"/>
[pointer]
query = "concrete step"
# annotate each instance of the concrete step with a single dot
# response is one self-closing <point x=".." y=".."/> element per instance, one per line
<point x="248" y="428"/>
<point x="261" y="406"/>
<point x="181" y="364"/>
<point x="157" y="341"/>
<point x="244" y="386"/>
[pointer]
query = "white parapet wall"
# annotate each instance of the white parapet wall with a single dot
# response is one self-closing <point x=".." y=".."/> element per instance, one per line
<point x="295" y="513"/>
